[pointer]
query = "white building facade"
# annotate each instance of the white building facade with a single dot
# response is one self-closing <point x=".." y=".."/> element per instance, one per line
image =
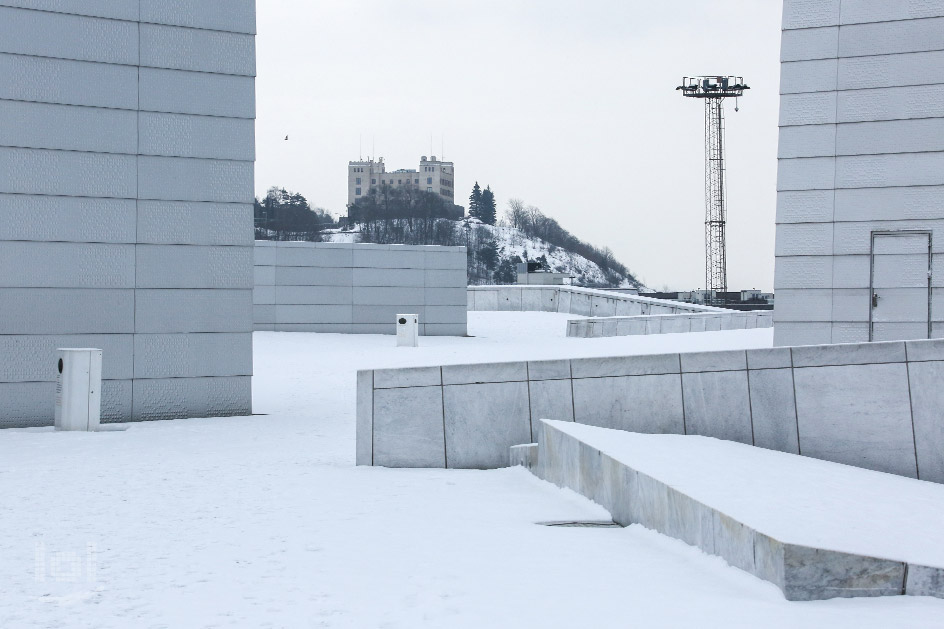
<point x="860" y="208"/>
<point x="433" y="175"/>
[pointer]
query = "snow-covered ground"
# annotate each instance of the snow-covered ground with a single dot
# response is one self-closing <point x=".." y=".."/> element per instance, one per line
<point x="265" y="522"/>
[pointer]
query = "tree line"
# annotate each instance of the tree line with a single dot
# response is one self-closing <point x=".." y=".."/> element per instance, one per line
<point x="284" y="215"/>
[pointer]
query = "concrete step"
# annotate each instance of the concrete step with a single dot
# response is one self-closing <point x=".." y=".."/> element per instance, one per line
<point x="816" y="529"/>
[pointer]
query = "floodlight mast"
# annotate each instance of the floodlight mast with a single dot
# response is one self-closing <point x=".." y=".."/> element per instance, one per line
<point x="714" y="89"/>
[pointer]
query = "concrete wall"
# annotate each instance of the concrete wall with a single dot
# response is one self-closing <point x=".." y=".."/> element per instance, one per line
<point x="861" y="150"/>
<point x="871" y="405"/>
<point x="358" y="288"/>
<point x="126" y="188"/>
<point x="572" y="300"/>
<point x="803" y="573"/>
<point x="668" y="324"/>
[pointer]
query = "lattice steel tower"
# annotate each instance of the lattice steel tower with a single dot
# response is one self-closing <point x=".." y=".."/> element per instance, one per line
<point x="714" y="89"/>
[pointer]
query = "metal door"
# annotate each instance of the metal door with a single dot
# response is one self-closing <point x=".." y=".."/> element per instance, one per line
<point x="900" y="286"/>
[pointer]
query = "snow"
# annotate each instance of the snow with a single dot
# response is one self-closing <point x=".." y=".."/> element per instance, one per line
<point x="265" y="521"/>
<point x="794" y="499"/>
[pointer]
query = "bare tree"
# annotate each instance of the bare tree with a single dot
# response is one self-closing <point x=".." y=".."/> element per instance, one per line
<point x="517" y="215"/>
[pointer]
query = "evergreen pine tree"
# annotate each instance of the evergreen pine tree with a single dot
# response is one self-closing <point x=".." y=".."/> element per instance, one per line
<point x="475" y="202"/>
<point x="487" y="210"/>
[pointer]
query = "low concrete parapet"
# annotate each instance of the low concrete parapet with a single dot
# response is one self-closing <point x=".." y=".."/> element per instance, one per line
<point x="802" y="571"/>
<point x="525" y="455"/>
<point x="598" y="327"/>
<point x="588" y="302"/>
<point x="873" y="405"/>
<point x="358" y="288"/>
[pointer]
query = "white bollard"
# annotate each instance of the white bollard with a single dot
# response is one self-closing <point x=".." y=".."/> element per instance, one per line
<point x="408" y="326"/>
<point x="79" y="389"/>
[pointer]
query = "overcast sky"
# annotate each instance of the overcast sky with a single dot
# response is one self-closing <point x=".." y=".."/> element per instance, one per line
<point x="570" y="106"/>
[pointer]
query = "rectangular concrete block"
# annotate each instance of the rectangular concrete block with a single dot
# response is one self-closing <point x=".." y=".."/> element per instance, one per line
<point x="388" y="295"/>
<point x="263" y="314"/>
<point x="889" y="204"/>
<point x="364" y="451"/>
<point x="924" y="581"/>
<point x="602" y="306"/>
<point x="389" y="277"/>
<point x="372" y="257"/>
<point x="161" y="399"/>
<point x="807" y="141"/>
<point x="407" y="377"/>
<point x="485" y="372"/>
<point x="65" y="36"/>
<point x="893" y="103"/>
<point x="892" y="38"/>
<point x="313" y="295"/>
<point x="66" y="173"/>
<point x="806" y="173"/>
<point x="179" y="266"/>
<point x="926" y="402"/>
<point x="810" y="13"/>
<point x="851" y="271"/>
<point x="850" y="332"/>
<point x="450" y="278"/>
<point x="525" y="455"/>
<point x="851" y="304"/>
<point x="859" y="11"/>
<point x="919" y="68"/>
<point x="192" y="355"/>
<point x="181" y="179"/>
<point x="905" y="169"/>
<point x="117" y="9"/>
<point x="860" y="354"/>
<point x="33" y="358"/>
<point x="805" y="206"/>
<point x="66" y="219"/>
<point x="499" y="410"/>
<point x="811" y="108"/>
<point x="66" y="265"/>
<point x="408" y="427"/>
<point x="559" y="455"/>
<point x="856" y="414"/>
<point x="192" y="223"/>
<point x="809" y="43"/>
<point x="650" y="364"/>
<point x="733" y="541"/>
<point x="198" y="50"/>
<point x="265" y="276"/>
<point x="66" y="311"/>
<point x="803" y="305"/>
<point x="892" y="136"/>
<point x="816" y="574"/>
<point x="264" y="256"/>
<point x="238" y="16"/>
<point x="455" y="260"/>
<point x="67" y="82"/>
<point x="326" y="314"/>
<point x="808" y="76"/>
<point x="549" y="399"/>
<point x="184" y="135"/>
<point x="647" y="404"/>
<point x="735" y="360"/>
<point x="385" y="314"/>
<point x="689" y="521"/>
<point x="806" y="239"/>
<point x="177" y="91"/>
<point x="706" y="393"/>
<point x="313" y="276"/>
<point x="773" y="409"/>
<point x="803" y="272"/>
<point x="165" y="311"/>
<point x="50" y="126"/>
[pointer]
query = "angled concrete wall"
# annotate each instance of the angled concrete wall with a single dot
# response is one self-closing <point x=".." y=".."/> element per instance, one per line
<point x="358" y="288"/>
<point x="126" y="188"/>
<point x="574" y="300"/>
<point x="861" y="150"/>
<point x="871" y="405"/>
<point x="803" y="571"/>
<point x="642" y="325"/>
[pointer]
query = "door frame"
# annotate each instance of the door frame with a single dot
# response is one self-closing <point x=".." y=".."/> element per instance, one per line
<point x="897" y="232"/>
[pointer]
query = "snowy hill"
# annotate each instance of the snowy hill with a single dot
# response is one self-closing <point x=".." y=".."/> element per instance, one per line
<point x="513" y="245"/>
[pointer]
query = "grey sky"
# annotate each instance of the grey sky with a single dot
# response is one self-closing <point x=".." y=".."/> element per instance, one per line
<point x="569" y="106"/>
